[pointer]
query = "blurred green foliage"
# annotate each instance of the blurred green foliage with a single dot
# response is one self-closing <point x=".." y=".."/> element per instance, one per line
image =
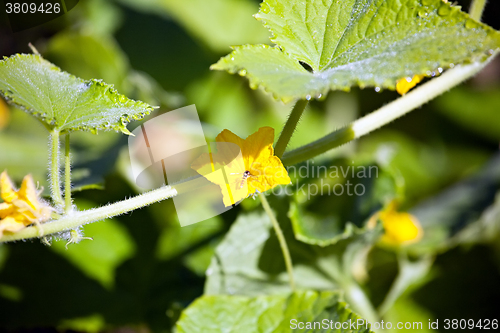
<point x="142" y="269"/>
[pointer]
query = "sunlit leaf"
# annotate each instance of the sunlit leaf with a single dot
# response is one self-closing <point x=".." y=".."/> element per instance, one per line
<point x="273" y="314"/>
<point x="356" y="43"/>
<point x="62" y="101"/>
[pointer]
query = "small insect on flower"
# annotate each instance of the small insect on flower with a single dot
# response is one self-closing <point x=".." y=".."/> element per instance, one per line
<point x="249" y="165"/>
<point x="246" y="174"/>
<point x="21" y="207"/>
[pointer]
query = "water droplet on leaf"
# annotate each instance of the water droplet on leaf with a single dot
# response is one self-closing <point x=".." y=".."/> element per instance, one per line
<point x="422" y="13"/>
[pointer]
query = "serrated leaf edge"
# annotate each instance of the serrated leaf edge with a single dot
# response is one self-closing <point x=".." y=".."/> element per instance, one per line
<point x="317" y="94"/>
<point x="120" y="126"/>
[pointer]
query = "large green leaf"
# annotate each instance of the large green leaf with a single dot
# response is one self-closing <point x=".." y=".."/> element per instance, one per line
<point x="276" y="314"/>
<point x="65" y="102"/>
<point x="357" y="42"/>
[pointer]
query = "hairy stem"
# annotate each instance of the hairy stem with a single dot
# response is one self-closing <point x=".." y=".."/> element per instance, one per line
<point x="476" y="9"/>
<point x="386" y="114"/>
<point x="67" y="177"/>
<point x="289" y="127"/>
<point x="281" y="239"/>
<point x="76" y="219"/>
<point x="54" y="169"/>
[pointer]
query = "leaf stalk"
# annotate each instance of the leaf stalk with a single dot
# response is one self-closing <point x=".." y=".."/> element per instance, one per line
<point x="55" y="187"/>
<point x="387" y="113"/>
<point x="289" y="128"/>
<point x="68" y="207"/>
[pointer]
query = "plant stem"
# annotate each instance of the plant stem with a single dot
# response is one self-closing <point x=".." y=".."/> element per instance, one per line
<point x="387" y="113"/>
<point x="289" y="127"/>
<point x="76" y="219"/>
<point x="54" y="169"/>
<point x="281" y="239"/>
<point x="409" y="274"/>
<point x="476" y="9"/>
<point x="67" y="177"/>
<point x="63" y="4"/>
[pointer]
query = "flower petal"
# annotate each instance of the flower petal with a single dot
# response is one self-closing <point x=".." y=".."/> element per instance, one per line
<point x="6" y="209"/>
<point x="10" y="224"/>
<point x="258" y="145"/>
<point x="228" y="136"/>
<point x="400" y="228"/>
<point x="7" y="193"/>
<point x="27" y="192"/>
<point x="266" y="174"/>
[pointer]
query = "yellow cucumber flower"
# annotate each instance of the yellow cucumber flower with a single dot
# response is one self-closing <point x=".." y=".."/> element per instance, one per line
<point x="249" y="165"/>
<point x="405" y="84"/>
<point x="22" y="207"/>
<point x="400" y="228"/>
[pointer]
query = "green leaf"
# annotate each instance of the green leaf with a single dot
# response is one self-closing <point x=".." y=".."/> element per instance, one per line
<point x="323" y="232"/>
<point x="62" y="101"/>
<point x="277" y="313"/>
<point x="357" y="42"/>
<point x="249" y="260"/>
